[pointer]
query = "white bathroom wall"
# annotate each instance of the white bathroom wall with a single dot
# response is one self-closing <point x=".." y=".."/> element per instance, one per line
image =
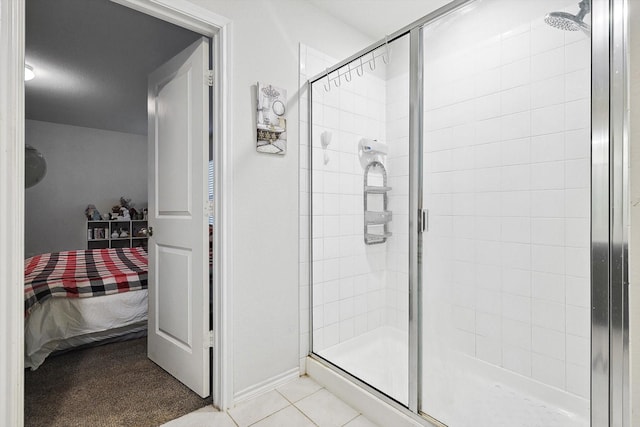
<point x="507" y="182"/>
<point x="84" y="166"/>
<point x="264" y="226"/>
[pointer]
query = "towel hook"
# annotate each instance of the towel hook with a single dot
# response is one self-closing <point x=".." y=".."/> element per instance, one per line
<point x="347" y="75"/>
<point x="386" y="48"/>
<point x="360" y="68"/>
<point x="327" y="88"/>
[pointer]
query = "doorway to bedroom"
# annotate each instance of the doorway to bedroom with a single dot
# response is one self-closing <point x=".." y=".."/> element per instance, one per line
<point x="86" y="115"/>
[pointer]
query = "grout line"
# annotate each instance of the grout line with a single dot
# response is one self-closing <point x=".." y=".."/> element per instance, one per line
<point x="231" y="418"/>
<point x="273" y="413"/>
<point x="267" y="416"/>
<point x="307" y="396"/>
<point x="305" y="415"/>
<point x="359" y="414"/>
<point x="285" y="397"/>
<point x="302" y="398"/>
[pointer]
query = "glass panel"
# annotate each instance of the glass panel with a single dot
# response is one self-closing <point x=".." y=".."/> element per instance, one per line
<point x="360" y="175"/>
<point x="506" y="266"/>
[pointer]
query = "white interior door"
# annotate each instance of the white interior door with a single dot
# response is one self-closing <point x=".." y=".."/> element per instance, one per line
<point x="178" y="103"/>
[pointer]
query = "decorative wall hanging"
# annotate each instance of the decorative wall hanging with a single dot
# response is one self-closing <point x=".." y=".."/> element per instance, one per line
<point x="35" y="166"/>
<point x="271" y="120"/>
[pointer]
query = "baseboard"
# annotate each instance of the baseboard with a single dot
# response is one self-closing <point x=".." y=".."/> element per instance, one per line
<point x="266" y="385"/>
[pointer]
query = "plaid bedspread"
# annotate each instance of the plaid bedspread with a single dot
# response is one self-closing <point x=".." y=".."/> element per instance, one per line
<point x="83" y="274"/>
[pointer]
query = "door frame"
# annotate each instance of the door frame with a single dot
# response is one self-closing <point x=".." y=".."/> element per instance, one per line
<point x="12" y="123"/>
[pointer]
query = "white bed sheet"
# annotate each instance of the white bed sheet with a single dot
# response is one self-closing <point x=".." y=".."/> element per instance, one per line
<point x="62" y="323"/>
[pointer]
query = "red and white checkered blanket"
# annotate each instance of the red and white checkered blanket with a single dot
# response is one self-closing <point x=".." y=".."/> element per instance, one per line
<point x="83" y="274"/>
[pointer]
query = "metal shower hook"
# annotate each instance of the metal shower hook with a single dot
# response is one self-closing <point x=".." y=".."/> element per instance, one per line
<point x="360" y="68"/>
<point x="386" y="48"/>
<point x="327" y="88"/>
<point x="347" y="75"/>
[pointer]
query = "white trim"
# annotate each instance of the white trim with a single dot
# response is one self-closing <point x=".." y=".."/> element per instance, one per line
<point x="12" y="24"/>
<point x="266" y="385"/>
<point x="187" y="15"/>
<point x="358" y="398"/>
<point x="181" y="13"/>
<point x="223" y="240"/>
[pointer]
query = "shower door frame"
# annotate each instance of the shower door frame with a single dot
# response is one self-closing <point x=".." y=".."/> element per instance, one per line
<point x="609" y="400"/>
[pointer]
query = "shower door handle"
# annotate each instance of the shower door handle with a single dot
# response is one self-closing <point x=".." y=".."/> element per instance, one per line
<point x="423" y="220"/>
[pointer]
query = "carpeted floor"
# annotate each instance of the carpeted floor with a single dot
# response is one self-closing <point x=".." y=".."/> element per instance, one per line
<point x="107" y="386"/>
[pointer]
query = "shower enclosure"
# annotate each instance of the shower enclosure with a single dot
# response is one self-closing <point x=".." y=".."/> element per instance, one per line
<point x="465" y="264"/>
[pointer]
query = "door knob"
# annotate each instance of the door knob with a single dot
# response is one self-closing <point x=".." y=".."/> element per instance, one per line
<point x="150" y="231"/>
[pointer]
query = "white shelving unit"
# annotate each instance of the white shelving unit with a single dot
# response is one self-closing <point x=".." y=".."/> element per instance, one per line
<point x="99" y="234"/>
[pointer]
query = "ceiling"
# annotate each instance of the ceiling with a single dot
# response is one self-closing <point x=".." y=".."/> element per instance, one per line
<point x="378" y="18"/>
<point x="91" y="59"/>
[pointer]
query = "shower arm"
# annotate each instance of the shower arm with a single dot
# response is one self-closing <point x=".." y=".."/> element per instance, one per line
<point x="585" y="7"/>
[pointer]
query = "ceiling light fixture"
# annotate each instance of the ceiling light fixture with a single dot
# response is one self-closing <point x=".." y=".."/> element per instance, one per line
<point x="28" y="73"/>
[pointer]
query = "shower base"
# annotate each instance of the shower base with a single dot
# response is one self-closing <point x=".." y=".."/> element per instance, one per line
<point x="453" y="392"/>
<point x="379" y="357"/>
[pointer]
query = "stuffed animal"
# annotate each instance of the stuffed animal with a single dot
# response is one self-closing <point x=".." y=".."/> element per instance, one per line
<point x="92" y="213"/>
<point x="125" y="203"/>
<point x="124" y="212"/>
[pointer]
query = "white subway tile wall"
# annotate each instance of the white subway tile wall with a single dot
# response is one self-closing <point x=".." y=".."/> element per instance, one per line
<point x="507" y="184"/>
<point x="357" y="288"/>
<point x="397" y="138"/>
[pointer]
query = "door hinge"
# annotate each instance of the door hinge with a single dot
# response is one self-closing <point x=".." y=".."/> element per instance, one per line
<point x="208" y="207"/>
<point x="209" y="77"/>
<point x="209" y="339"/>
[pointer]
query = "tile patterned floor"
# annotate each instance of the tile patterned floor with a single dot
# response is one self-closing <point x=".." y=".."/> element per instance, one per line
<point x="300" y="403"/>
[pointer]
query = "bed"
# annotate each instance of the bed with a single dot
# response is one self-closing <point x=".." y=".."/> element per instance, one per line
<point x="84" y="297"/>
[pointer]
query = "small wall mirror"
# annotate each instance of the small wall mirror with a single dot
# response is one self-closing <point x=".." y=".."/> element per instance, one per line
<point x="35" y="166"/>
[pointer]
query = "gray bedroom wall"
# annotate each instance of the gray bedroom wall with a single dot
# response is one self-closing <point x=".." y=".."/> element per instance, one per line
<point x="83" y="166"/>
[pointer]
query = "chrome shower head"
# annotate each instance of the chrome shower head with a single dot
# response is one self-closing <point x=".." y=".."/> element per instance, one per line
<point x="568" y="22"/>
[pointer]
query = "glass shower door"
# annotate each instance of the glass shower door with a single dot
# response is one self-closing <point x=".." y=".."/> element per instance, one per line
<point x="506" y="262"/>
<point x="360" y="225"/>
